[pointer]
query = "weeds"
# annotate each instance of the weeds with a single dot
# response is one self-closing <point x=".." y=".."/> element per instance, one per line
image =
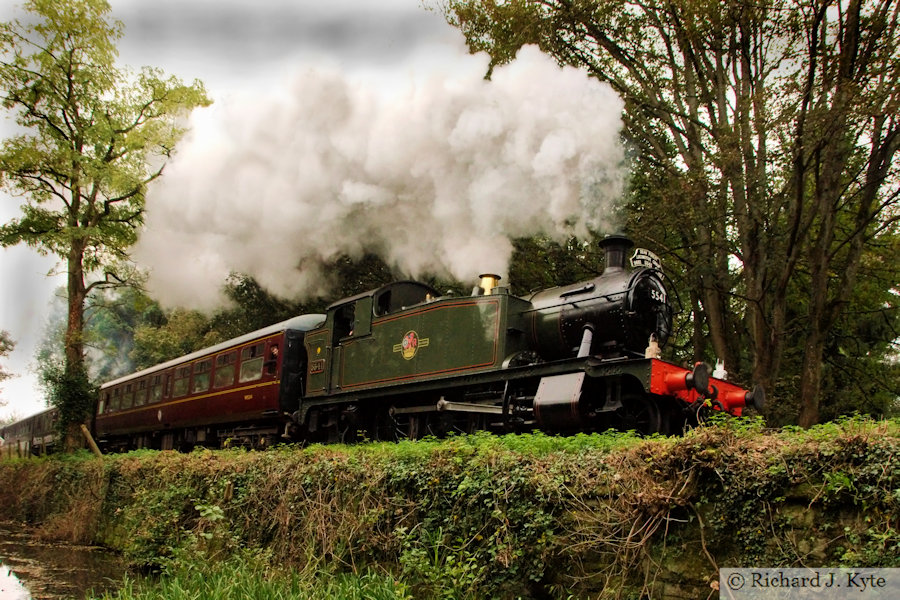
<point x="245" y="577"/>
<point x="483" y="516"/>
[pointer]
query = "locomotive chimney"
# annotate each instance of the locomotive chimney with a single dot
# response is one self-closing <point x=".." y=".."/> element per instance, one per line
<point x="488" y="282"/>
<point x="615" y="246"/>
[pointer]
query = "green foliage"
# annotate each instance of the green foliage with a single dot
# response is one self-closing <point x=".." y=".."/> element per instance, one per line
<point x="861" y="368"/>
<point x="254" y="308"/>
<point x="183" y="332"/>
<point x="71" y="391"/>
<point x="481" y="516"/>
<point x="776" y="212"/>
<point x="91" y="138"/>
<point x="539" y="263"/>
<point x="821" y="496"/>
<point x="246" y="577"/>
<point x="6" y="346"/>
<point x="471" y="537"/>
<point x="91" y="128"/>
<point x="113" y="317"/>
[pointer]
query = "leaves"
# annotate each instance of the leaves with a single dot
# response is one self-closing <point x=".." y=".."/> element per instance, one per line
<point x="93" y="137"/>
<point x="765" y="137"/>
<point x="488" y="516"/>
<point x="90" y="129"/>
<point x="6" y="346"/>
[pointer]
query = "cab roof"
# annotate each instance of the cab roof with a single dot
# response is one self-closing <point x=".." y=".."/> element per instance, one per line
<point x="392" y="297"/>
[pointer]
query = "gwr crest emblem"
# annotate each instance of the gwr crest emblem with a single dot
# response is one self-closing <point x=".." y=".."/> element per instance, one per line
<point x="410" y="345"/>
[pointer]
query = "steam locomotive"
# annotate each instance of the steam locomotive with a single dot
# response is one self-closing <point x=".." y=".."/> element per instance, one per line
<point x="403" y="361"/>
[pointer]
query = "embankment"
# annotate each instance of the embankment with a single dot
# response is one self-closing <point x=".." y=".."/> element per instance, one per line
<point x="482" y="516"/>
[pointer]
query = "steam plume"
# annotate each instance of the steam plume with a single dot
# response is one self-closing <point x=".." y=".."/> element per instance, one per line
<point x="436" y="178"/>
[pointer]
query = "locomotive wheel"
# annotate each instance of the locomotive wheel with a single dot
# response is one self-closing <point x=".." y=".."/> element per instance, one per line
<point x="417" y="426"/>
<point x="641" y="413"/>
<point x="403" y="427"/>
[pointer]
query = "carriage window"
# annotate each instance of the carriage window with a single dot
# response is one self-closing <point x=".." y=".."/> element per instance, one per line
<point x="128" y="396"/>
<point x="201" y="376"/>
<point x="225" y="369"/>
<point x="156" y="388"/>
<point x="104" y="403"/>
<point x="182" y="377"/>
<point x="251" y="363"/>
<point x="140" y="398"/>
<point x="272" y="361"/>
<point x="116" y="401"/>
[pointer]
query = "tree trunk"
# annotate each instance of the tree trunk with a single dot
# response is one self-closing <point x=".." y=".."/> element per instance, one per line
<point x="74" y="339"/>
<point x="73" y="406"/>
<point x="718" y="320"/>
<point x="767" y="345"/>
<point x="811" y="378"/>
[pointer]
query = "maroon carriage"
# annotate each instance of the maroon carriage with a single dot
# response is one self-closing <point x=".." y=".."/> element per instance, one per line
<point x="243" y="390"/>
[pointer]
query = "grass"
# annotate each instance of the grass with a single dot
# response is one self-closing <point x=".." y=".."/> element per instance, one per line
<point x="245" y="578"/>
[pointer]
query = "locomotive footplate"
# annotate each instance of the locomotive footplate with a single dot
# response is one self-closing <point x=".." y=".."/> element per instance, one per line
<point x="566" y="393"/>
<point x="444" y="405"/>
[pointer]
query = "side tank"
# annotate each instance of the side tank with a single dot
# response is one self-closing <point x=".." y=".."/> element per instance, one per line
<point x="623" y="307"/>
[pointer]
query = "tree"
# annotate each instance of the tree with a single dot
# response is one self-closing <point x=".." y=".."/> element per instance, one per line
<point x="6" y="346"/>
<point x="252" y="307"/>
<point x="540" y="263"/>
<point x="184" y="331"/>
<point x="93" y="137"/>
<point x="111" y="319"/>
<point x="771" y="130"/>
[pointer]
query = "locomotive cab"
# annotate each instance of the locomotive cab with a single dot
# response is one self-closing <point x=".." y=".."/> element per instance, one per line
<point x="349" y="322"/>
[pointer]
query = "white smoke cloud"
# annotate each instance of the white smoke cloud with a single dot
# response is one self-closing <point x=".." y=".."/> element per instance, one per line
<point x="434" y="178"/>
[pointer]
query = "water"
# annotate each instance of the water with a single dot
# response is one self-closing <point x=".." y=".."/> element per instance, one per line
<point x="10" y="586"/>
<point x="34" y="570"/>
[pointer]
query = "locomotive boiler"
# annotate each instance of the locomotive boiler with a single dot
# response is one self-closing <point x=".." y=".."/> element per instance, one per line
<point x="404" y="360"/>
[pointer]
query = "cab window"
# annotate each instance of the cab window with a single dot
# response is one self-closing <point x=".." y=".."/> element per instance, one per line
<point x="344" y="320"/>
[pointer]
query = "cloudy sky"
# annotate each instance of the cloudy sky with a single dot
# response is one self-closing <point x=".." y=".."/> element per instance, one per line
<point x="234" y="47"/>
<point x="340" y="127"/>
